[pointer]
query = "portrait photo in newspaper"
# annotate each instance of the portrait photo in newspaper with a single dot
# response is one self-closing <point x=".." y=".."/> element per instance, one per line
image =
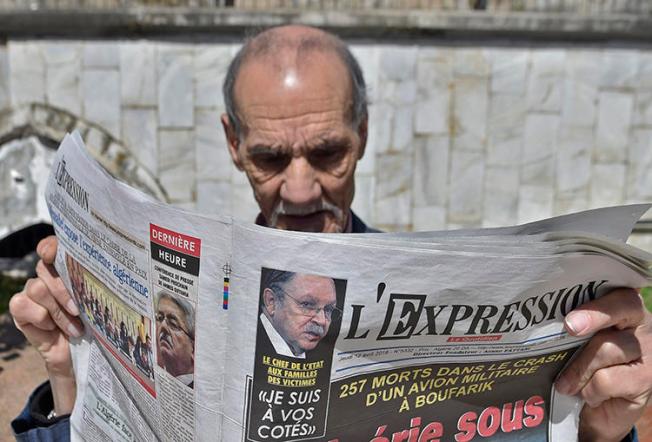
<point x="175" y="336"/>
<point x="299" y="321"/>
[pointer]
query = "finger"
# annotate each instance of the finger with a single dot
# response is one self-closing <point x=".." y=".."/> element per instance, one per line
<point x="622" y="308"/>
<point x="47" y="249"/>
<point x="58" y="362"/>
<point x="605" y="349"/>
<point x="39" y="293"/>
<point x="629" y="382"/>
<point x="26" y="312"/>
<point x="612" y="420"/>
<point x="48" y="274"/>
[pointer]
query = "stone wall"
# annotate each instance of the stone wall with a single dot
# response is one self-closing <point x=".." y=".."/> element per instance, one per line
<point x="459" y="136"/>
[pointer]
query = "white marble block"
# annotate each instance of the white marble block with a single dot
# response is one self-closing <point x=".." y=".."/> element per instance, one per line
<point x="243" y="203"/>
<point x="397" y="62"/>
<point x="430" y="178"/>
<point x="466" y="188"/>
<point x="213" y="158"/>
<point x="619" y="68"/>
<point x="505" y="126"/>
<point x="138" y="74"/>
<point x="470" y="105"/>
<point x="210" y="65"/>
<point x="101" y="98"/>
<point x="573" y="159"/>
<point x="582" y="74"/>
<point x="403" y="130"/>
<point x="473" y="62"/>
<point x="428" y="218"/>
<point x="26" y="73"/>
<point x="363" y="202"/>
<point x="381" y="121"/>
<point x="545" y="85"/>
<point x="643" y="109"/>
<point x="607" y="184"/>
<point x="432" y="112"/>
<point x="368" y="57"/>
<point x="62" y="75"/>
<point x="177" y="163"/>
<point x="539" y="144"/>
<point x="509" y="69"/>
<point x="535" y="202"/>
<point x="639" y="172"/>
<point x="434" y="69"/>
<point x="175" y="87"/>
<point x="101" y="54"/>
<point x="140" y="136"/>
<point x="393" y="189"/>
<point x="5" y="96"/>
<point x="645" y="71"/>
<point x="213" y="197"/>
<point x="501" y="186"/>
<point x="614" y="120"/>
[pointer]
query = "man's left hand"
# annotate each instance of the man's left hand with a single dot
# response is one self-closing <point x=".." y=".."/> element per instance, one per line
<point x="613" y="372"/>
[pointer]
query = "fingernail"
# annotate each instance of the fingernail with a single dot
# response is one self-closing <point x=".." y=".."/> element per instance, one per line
<point x="72" y="308"/>
<point x="562" y="385"/>
<point x="577" y="322"/>
<point x="74" y="330"/>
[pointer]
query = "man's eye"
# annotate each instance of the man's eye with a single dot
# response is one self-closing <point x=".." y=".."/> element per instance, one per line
<point x="328" y="157"/>
<point x="308" y="305"/>
<point x="270" y="161"/>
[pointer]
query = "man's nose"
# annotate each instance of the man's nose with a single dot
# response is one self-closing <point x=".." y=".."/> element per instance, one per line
<point x="300" y="185"/>
<point x="320" y="318"/>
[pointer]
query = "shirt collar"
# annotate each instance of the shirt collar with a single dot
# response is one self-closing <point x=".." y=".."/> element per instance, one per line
<point x="280" y="346"/>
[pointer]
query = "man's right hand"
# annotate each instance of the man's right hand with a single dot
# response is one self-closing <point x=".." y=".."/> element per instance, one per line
<point x="47" y="315"/>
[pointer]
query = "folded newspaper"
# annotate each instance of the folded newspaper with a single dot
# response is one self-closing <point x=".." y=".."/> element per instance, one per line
<point x="206" y="328"/>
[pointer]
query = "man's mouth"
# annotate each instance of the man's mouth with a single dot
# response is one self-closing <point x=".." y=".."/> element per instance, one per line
<point x="306" y="218"/>
<point x="312" y="222"/>
<point x="313" y="336"/>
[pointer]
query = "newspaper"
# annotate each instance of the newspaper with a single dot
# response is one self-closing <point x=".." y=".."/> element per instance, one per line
<point x="206" y="328"/>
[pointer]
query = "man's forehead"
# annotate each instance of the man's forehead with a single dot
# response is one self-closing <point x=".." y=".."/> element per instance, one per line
<point x="312" y="284"/>
<point x="291" y="86"/>
<point x="168" y="304"/>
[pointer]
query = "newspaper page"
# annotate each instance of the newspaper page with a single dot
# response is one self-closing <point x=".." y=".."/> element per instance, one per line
<point x="205" y="328"/>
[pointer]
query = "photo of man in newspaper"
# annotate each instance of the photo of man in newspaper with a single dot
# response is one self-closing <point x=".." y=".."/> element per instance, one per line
<point x="298" y="324"/>
<point x="175" y="337"/>
<point x="297" y="310"/>
<point x="121" y="329"/>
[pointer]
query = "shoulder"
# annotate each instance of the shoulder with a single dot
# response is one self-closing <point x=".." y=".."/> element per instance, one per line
<point x="359" y="226"/>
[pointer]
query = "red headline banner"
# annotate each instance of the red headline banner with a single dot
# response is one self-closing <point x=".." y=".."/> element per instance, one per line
<point x="174" y="240"/>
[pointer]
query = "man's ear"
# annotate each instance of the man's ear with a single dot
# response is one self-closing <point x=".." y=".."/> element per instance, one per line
<point x="269" y="299"/>
<point x="363" y="133"/>
<point x="232" y="140"/>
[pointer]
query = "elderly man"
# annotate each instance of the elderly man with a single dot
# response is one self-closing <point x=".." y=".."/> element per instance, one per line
<point x="175" y="337"/>
<point x="296" y="125"/>
<point x="297" y="311"/>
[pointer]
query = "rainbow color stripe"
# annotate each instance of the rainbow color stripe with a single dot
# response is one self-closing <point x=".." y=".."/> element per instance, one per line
<point x="225" y="295"/>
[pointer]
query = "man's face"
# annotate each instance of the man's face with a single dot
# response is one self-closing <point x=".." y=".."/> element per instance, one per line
<point x="298" y="147"/>
<point x="294" y="314"/>
<point x="175" y="346"/>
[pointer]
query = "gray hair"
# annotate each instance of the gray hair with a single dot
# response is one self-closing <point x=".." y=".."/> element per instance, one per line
<point x="185" y="306"/>
<point x="277" y="281"/>
<point x="266" y="43"/>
